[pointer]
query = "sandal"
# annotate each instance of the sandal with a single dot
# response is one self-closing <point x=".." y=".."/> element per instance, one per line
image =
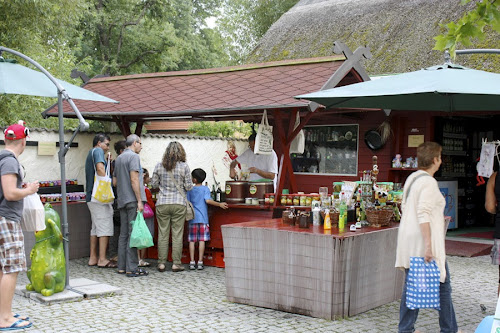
<point x="192" y="265"/>
<point x="161" y="268"/>
<point x="138" y="272"/>
<point x="121" y="271"/>
<point x="110" y="264"/>
<point x="177" y="268"/>
<point x="143" y="263"/>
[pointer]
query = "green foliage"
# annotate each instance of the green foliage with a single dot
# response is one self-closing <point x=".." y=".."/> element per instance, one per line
<point x="43" y="30"/>
<point x="470" y="26"/>
<point x="225" y="129"/>
<point x="137" y="36"/>
<point x="244" y="22"/>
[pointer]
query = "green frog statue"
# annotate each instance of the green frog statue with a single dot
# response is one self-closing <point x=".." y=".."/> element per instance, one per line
<point x="47" y="273"/>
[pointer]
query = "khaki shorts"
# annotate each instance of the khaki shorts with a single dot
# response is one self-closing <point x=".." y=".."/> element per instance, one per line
<point x="12" y="256"/>
<point x="102" y="219"/>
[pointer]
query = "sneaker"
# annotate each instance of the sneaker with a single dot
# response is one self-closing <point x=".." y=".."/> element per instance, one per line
<point x="200" y="264"/>
<point x="192" y="265"/>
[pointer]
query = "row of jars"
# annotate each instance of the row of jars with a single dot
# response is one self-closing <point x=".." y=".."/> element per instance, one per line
<point x="47" y="183"/>
<point x="299" y="199"/>
<point x="56" y="197"/>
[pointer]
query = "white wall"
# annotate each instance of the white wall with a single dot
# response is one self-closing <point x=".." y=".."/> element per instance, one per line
<point x="201" y="153"/>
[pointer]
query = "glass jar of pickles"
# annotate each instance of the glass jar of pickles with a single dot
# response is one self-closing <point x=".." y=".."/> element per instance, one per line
<point x="302" y="200"/>
<point x="296" y="200"/>
<point x="289" y="199"/>
<point x="308" y="200"/>
<point x="283" y="199"/>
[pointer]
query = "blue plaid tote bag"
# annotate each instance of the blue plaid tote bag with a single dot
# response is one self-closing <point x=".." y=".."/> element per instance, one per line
<point x="422" y="288"/>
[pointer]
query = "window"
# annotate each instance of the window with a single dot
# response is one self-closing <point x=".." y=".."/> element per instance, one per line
<point x="329" y="150"/>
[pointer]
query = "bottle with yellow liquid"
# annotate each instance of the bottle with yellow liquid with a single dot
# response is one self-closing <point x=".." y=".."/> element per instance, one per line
<point x="327" y="224"/>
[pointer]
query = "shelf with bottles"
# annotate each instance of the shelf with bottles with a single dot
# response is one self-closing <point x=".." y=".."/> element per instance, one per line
<point x="329" y="150"/>
<point x="454" y="153"/>
<point x="333" y="135"/>
<point x="452" y="166"/>
<point x="454" y="135"/>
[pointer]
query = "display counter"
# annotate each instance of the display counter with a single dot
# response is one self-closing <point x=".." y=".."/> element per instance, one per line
<point x="79" y="225"/>
<point x="236" y="213"/>
<point x="320" y="273"/>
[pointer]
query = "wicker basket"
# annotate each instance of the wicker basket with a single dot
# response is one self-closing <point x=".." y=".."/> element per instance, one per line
<point x="379" y="217"/>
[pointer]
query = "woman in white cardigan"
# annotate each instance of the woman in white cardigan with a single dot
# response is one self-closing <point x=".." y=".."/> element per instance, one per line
<point x="422" y="234"/>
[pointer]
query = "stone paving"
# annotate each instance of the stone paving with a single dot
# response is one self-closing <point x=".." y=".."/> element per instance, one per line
<point x="194" y="301"/>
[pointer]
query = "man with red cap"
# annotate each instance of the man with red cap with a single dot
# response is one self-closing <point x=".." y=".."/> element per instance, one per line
<point x="12" y="256"/>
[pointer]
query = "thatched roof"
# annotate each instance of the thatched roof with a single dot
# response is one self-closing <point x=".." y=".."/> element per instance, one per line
<point x="398" y="32"/>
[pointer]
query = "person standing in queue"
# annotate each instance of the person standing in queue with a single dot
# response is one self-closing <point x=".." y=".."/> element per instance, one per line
<point x="173" y="177"/>
<point x="113" y="242"/>
<point x="12" y="254"/>
<point x="491" y="206"/>
<point x="101" y="214"/>
<point x="259" y="166"/>
<point x="422" y="234"/>
<point x="128" y="179"/>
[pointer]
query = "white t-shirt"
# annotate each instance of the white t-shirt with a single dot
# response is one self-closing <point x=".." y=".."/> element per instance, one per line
<point x="268" y="163"/>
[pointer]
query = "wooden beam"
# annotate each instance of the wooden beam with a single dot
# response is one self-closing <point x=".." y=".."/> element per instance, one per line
<point x="138" y="128"/>
<point x="352" y="62"/>
<point x="123" y="125"/>
<point x="285" y="169"/>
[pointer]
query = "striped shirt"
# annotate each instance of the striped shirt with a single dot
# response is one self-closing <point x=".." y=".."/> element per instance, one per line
<point x="169" y="194"/>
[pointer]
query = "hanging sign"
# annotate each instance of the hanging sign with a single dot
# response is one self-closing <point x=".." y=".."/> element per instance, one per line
<point x="46" y="148"/>
<point x="415" y="140"/>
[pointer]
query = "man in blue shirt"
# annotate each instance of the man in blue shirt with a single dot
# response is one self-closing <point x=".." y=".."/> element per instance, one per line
<point x="100" y="213"/>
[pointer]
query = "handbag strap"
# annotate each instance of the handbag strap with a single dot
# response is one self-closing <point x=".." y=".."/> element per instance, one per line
<point x="264" y="121"/>
<point x="414" y="179"/>
<point x="178" y="186"/>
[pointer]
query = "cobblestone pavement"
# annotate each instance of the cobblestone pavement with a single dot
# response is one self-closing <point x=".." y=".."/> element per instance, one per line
<point x="194" y="301"/>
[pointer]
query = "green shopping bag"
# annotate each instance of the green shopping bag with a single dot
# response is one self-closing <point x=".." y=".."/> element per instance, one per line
<point x="140" y="237"/>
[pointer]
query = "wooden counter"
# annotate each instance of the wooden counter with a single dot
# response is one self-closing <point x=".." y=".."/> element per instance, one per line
<point x="315" y="272"/>
<point x="236" y="213"/>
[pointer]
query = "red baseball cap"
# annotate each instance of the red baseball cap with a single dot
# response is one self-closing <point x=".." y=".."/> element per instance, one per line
<point x="16" y="131"/>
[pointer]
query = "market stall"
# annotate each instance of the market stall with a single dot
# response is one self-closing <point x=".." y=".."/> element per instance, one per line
<point x="320" y="273"/>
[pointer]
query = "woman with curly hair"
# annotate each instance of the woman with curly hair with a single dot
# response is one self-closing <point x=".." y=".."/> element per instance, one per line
<point x="173" y="177"/>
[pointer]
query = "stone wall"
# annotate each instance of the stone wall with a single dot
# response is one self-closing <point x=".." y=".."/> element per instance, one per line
<point x="201" y="153"/>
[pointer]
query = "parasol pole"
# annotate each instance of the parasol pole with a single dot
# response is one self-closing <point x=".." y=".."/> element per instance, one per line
<point x="63" y="149"/>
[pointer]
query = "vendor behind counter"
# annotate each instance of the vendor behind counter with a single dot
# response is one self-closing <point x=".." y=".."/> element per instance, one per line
<point x="258" y="166"/>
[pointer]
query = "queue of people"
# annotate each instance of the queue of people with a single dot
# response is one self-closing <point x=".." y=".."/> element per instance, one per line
<point x="177" y="188"/>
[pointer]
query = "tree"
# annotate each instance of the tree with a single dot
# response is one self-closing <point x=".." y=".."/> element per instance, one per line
<point x="470" y="26"/>
<point x="137" y="36"/>
<point x="244" y="22"/>
<point x="44" y="31"/>
<point x="225" y="129"/>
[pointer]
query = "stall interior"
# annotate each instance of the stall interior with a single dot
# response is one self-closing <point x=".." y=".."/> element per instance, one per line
<point x="461" y="138"/>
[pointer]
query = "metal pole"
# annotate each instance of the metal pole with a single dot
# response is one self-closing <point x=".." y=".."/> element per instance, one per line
<point x="64" y="210"/>
<point x="471" y="51"/>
